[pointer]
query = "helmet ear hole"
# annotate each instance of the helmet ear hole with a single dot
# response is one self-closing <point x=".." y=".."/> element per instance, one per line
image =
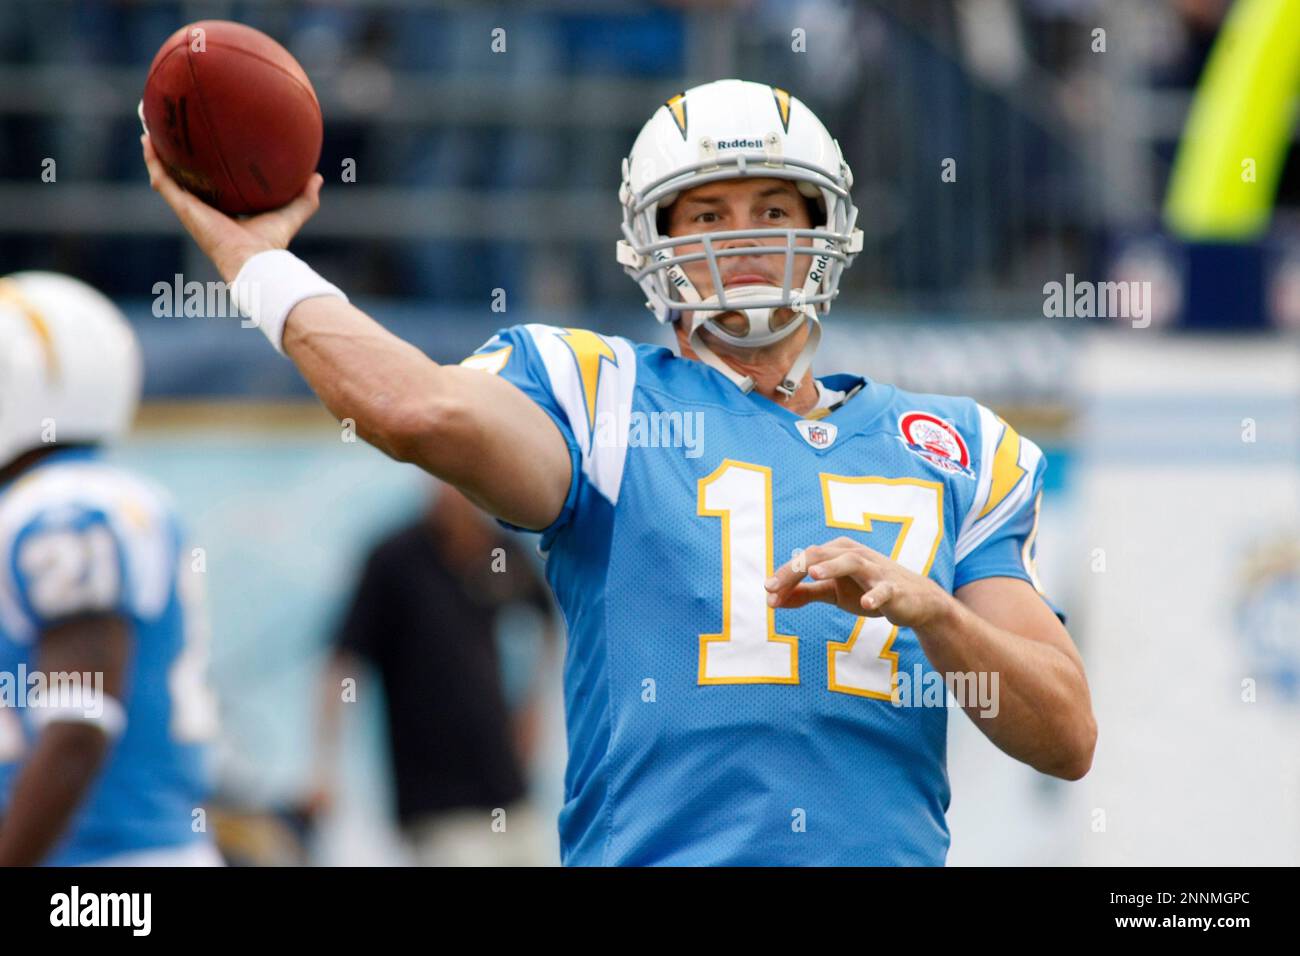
<point x="816" y="210"/>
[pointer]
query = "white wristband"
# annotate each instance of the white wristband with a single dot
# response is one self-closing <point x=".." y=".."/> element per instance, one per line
<point x="95" y="708"/>
<point x="270" y="284"/>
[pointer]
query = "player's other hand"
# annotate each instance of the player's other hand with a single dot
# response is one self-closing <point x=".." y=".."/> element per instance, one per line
<point x="229" y="242"/>
<point x="857" y="579"/>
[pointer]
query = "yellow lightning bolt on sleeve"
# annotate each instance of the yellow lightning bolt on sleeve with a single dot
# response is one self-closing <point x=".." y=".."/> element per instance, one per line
<point x="588" y="349"/>
<point x="1006" y="468"/>
<point x="492" y="362"/>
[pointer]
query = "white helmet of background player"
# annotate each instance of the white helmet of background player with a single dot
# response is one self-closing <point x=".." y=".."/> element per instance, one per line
<point x="725" y="130"/>
<point x="69" y="364"/>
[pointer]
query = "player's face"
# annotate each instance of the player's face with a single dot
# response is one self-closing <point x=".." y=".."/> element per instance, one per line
<point x="742" y="204"/>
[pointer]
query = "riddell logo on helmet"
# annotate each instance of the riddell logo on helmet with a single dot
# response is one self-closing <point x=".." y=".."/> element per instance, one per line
<point x="819" y="268"/>
<point x="740" y="144"/>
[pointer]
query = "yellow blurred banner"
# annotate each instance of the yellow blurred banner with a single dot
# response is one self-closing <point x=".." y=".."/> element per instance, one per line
<point x="1226" y="173"/>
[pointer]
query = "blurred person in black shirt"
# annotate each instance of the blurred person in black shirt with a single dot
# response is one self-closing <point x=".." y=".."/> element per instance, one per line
<point x="424" y="616"/>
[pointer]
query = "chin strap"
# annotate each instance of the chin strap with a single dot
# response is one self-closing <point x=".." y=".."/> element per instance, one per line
<point x="711" y="358"/>
<point x="759" y="319"/>
<point x="789" y="383"/>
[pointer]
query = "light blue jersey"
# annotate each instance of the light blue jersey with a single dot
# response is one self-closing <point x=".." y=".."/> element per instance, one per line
<point x="704" y="727"/>
<point x="76" y="537"/>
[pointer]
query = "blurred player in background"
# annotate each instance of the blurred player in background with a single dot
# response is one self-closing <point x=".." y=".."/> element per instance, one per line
<point x="702" y="727"/>
<point x="97" y="598"/>
<point x="425" y="616"/>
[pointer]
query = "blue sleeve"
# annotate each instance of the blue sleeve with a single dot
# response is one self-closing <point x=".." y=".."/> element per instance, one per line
<point x="512" y="354"/>
<point x="1004" y="542"/>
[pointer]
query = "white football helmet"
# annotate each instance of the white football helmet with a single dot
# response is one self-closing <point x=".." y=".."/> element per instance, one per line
<point x="725" y="130"/>
<point x="68" y="358"/>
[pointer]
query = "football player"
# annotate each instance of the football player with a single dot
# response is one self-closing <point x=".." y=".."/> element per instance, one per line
<point x="102" y="641"/>
<point x="754" y="563"/>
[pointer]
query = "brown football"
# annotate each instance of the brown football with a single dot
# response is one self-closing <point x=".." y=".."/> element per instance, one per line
<point x="233" y="116"/>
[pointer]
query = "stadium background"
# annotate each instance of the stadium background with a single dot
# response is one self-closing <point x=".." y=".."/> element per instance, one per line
<point x="1170" y="529"/>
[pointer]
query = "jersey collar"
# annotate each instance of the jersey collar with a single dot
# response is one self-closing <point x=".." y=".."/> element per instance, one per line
<point x="864" y="400"/>
<point x="61" y="456"/>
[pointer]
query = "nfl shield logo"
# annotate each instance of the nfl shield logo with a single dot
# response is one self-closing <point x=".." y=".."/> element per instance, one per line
<point x="817" y="434"/>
